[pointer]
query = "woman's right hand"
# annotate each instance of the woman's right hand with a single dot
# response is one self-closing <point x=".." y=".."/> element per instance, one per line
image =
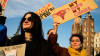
<point x="55" y="25"/>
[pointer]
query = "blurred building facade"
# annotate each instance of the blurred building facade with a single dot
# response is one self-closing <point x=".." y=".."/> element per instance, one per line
<point x="97" y="43"/>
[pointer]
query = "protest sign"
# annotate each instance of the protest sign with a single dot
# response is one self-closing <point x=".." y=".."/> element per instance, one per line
<point x="45" y="11"/>
<point x="15" y="50"/>
<point x="3" y="3"/>
<point x="72" y="10"/>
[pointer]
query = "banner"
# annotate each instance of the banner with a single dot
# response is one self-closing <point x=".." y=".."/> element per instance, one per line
<point x="15" y="50"/>
<point x="72" y="10"/>
<point x="3" y="3"/>
<point x="45" y="11"/>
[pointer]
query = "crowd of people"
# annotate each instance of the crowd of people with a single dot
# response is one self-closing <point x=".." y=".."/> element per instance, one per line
<point x="36" y="45"/>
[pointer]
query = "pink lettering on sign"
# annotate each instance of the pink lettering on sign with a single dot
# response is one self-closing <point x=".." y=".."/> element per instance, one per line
<point x="76" y="7"/>
<point x="82" y="11"/>
<point x="61" y="13"/>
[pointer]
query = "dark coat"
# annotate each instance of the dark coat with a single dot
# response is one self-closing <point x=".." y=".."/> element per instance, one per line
<point x="60" y="51"/>
<point x="29" y="48"/>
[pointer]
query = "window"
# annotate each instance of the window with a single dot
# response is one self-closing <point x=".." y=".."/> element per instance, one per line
<point x="91" y="24"/>
<point x="96" y="45"/>
<point x="96" y="40"/>
<point x="87" y="38"/>
<point x="92" y="30"/>
<point x="85" y="29"/>
<point x="85" y="23"/>
<point x="87" y="44"/>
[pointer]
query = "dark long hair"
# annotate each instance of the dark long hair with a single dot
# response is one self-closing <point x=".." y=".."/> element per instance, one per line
<point x="37" y="32"/>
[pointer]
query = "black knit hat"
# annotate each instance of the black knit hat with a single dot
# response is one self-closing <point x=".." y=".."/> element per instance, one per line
<point x="2" y="20"/>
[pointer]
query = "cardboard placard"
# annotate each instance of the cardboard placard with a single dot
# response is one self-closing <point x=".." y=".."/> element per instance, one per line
<point x="3" y="3"/>
<point x="45" y="11"/>
<point x="72" y="10"/>
<point x="16" y="50"/>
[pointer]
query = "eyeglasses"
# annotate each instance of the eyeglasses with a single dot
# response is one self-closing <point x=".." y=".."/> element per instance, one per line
<point x="29" y="19"/>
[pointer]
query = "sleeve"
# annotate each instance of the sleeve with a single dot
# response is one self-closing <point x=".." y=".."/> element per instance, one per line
<point x="53" y="42"/>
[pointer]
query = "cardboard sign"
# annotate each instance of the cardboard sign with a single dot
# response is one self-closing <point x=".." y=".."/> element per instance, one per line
<point x="72" y="10"/>
<point x="3" y="3"/>
<point x="45" y="11"/>
<point x="15" y="50"/>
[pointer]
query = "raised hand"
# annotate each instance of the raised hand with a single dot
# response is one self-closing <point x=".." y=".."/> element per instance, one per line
<point x="55" y="25"/>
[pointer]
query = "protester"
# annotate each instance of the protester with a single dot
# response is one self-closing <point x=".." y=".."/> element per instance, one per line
<point x="48" y="33"/>
<point x="32" y="35"/>
<point x="75" y="48"/>
<point x="3" y="29"/>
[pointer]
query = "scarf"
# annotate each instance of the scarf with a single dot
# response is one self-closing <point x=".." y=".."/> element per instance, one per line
<point x="74" y="52"/>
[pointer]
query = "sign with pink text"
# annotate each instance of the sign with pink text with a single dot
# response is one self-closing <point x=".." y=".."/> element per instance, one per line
<point x="3" y="3"/>
<point x="15" y="50"/>
<point x="72" y="10"/>
<point x="45" y="11"/>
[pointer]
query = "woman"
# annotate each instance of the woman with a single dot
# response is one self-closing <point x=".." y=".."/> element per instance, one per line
<point x="32" y="35"/>
<point x="75" y="48"/>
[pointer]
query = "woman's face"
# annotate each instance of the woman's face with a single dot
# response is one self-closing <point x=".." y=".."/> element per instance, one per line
<point x="75" y="43"/>
<point x="28" y="23"/>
